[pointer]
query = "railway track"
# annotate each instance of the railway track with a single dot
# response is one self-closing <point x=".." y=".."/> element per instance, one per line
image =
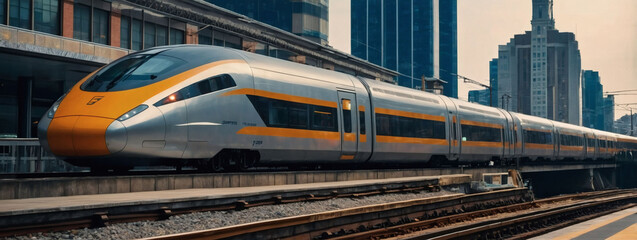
<point x="444" y="219"/>
<point x="93" y="217"/>
<point x="535" y="223"/>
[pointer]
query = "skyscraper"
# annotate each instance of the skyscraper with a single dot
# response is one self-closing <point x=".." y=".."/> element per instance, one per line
<point x="306" y="18"/>
<point x="415" y="38"/>
<point x="609" y="113"/>
<point x="493" y="81"/>
<point x="541" y="68"/>
<point x="479" y="96"/>
<point x="592" y="100"/>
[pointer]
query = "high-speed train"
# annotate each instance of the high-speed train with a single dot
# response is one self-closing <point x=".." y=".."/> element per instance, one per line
<point x="214" y="108"/>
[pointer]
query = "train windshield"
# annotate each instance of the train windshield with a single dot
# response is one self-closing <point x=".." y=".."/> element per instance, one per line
<point x="144" y="68"/>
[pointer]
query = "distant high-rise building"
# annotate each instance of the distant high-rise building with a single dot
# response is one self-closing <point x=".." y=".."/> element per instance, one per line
<point x="306" y="18"/>
<point x="541" y="68"/>
<point x="623" y="125"/>
<point x="609" y="113"/>
<point x="479" y="96"/>
<point x="592" y="100"/>
<point x="493" y="81"/>
<point x="415" y="38"/>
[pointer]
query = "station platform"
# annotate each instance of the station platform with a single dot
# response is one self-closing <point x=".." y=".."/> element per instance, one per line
<point x="14" y="212"/>
<point x="620" y="225"/>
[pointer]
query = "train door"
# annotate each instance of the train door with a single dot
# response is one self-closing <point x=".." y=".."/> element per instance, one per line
<point x="349" y="120"/>
<point x="509" y="140"/>
<point x="556" y="145"/>
<point x="518" y="137"/>
<point x="585" y="145"/>
<point x="175" y="115"/>
<point x="456" y="136"/>
<point x="453" y="131"/>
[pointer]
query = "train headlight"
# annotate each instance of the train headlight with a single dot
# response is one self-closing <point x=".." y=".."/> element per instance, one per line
<point x="177" y="96"/>
<point x="56" y="105"/>
<point x="53" y="109"/>
<point x="133" y="112"/>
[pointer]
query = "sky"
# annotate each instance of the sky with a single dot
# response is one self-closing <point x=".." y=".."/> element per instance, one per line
<point x="606" y="32"/>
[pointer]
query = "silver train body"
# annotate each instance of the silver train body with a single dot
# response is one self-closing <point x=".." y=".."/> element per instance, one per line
<point x="266" y="111"/>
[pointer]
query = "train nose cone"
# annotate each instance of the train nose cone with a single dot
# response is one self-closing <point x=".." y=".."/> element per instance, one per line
<point x="78" y="136"/>
<point x="116" y="137"/>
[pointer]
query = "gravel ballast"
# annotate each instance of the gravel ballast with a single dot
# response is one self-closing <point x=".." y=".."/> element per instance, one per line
<point x="209" y="220"/>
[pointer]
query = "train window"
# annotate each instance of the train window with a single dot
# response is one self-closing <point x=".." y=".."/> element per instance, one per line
<point x="297" y="114"/>
<point x="347" y="115"/>
<point x="391" y="125"/>
<point x="479" y="133"/>
<point x="362" y="121"/>
<point x="323" y="118"/>
<point x="537" y="137"/>
<point x="147" y="67"/>
<point x="286" y="114"/>
<point x="278" y="114"/>
<point x="199" y="88"/>
<point x="453" y="128"/>
<point x="570" y="140"/>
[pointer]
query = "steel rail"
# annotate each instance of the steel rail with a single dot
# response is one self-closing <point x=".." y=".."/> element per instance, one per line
<point x="447" y="220"/>
<point x="512" y="226"/>
<point x="314" y="225"/>
<point x="101" y="219"/>
<point x="319" y="225"/>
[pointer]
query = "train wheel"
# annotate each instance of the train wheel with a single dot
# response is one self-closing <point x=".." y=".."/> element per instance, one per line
<point x="216" y="164"/>
<point x="245" y="161"/>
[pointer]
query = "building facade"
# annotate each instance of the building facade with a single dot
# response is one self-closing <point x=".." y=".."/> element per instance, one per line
<point x="306" y="18"/>
<point x="541" y="68"/>
<point x="592" y="100"/>
<point x="493" y="82"/>
<point x="623" y="125"/>
<point x="46" y="46"/>
<point x="479" y="96"/>
<point x="415" y="38"/>
<point x="609" y="113"/>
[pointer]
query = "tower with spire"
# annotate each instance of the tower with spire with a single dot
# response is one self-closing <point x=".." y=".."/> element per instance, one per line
<point x="541" y="22"/>
<point x="541" y="69"/>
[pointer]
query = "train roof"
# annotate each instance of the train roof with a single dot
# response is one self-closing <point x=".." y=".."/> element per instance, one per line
<point x="409" y="94"/>
<point x="293" y="68"/>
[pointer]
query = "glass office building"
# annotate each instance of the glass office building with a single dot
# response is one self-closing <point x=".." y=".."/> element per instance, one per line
<point x="493" y="82"/>
<point x="593" y="108"/>
<point x="415" y="38"/>
<point x="306" y="18"/>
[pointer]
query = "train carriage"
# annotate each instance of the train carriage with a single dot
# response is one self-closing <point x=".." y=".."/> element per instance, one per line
<point x="483" y="131"/>
<point x="537" y="137"/>
<point x="409" y="125"/>
<point x="215" y="108"/>
<point x="592" y="149"/>
<point x="604" y="143"/>
<point x="297" y="114"/>
<point x="570" y="142"/>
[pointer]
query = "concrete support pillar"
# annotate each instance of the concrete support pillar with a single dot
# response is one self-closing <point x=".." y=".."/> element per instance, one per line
<point x="67" y="18"/>
<point x="116" y="21"/>
<point x="613" y="177"/>
<point x="25" y="93"/>
<point x="591" y="177"/>
<point x="192" y="37"/>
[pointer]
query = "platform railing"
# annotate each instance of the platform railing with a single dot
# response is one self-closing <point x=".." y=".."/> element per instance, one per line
<point x="25" y="155"/>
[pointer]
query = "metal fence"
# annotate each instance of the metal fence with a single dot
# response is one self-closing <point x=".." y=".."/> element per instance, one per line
<point x="25" y="155"/>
